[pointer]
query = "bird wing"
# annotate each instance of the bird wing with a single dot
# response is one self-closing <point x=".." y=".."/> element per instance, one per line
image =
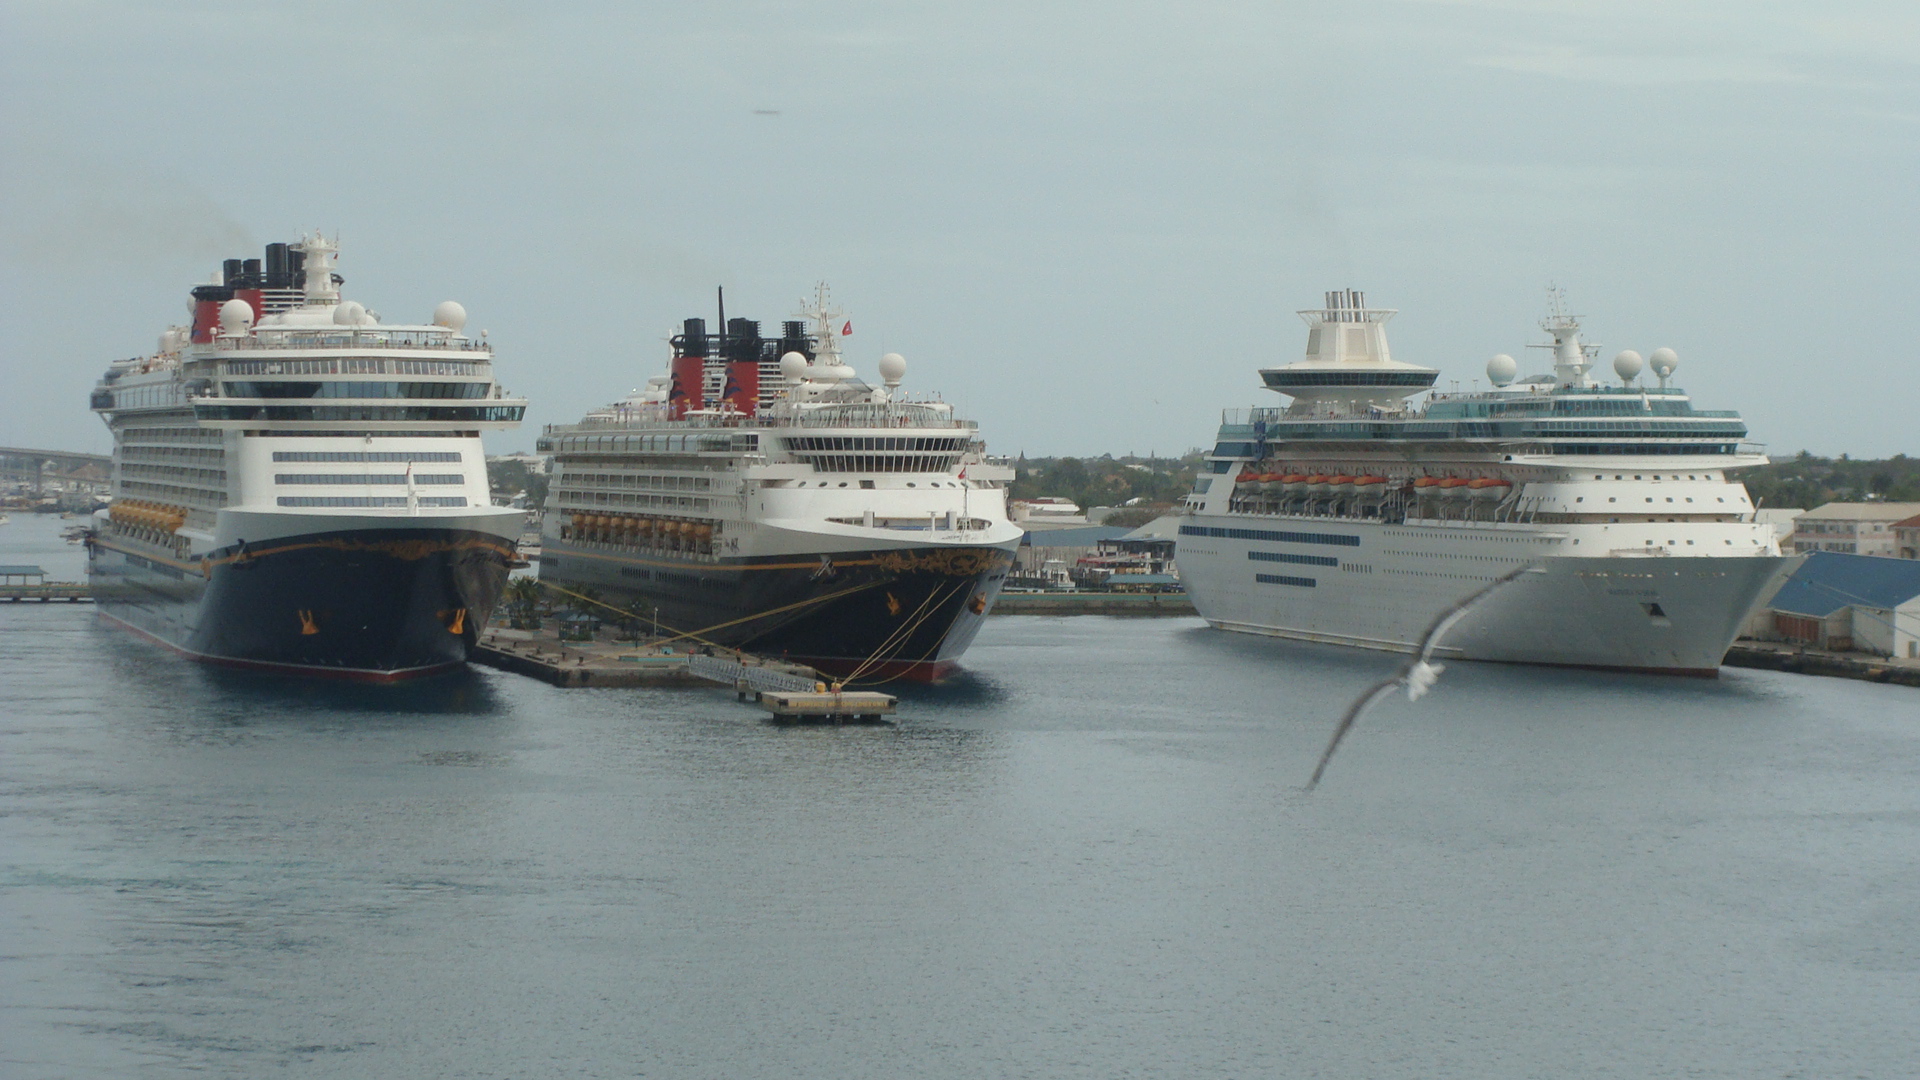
<point x="1428" y="642"/>
<point x="1445" y="620"/>
<point x="1360" y="705"/>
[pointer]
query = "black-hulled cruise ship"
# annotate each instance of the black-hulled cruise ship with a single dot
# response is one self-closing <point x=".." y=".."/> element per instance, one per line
<point x="760" y="496"/>
<point x="299" y="486"/>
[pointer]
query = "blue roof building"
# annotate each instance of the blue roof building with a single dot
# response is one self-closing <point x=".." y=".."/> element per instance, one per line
<point x="1865" y="602"/>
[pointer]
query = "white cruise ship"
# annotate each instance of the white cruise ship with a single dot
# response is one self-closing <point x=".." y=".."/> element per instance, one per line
<point x="1371" y="503"/>
<point x="761" y="496"/>
<point x="299" y="486"/>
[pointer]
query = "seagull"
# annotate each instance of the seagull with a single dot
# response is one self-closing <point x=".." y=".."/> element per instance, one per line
<point x="1419" y="674"/>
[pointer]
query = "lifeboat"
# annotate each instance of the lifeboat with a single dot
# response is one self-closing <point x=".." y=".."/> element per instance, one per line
<point x="1489" y="489"/>
<point x="1246" y="480"/>
<point x="703" y="532"/>
<point x="1294" y="483"/>
<point x="1340" y="485"/>
<point x="1370" y="487"/>
<point x="1319" y="485"/>
<point x="1453" y="487"/>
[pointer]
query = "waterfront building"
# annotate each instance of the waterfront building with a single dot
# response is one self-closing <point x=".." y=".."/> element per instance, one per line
<point x="1851" y="602"/>
<point x="1906" y="538"/>
<point x="1853" y="528"/>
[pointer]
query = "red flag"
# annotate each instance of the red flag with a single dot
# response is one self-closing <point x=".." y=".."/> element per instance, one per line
<point x="847" y="329"/>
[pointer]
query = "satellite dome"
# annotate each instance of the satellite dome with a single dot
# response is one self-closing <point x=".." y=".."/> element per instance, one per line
<point x="235" y="317"/>
<point x="450" y="315"/>
<point x="1664" y="362"/>
<point x="794" y="366"/>
<point x="349" y="314"/>
<point x="893" y="368"/>
<point x="1501" y="370"/>
<point x="1627" y="365"/>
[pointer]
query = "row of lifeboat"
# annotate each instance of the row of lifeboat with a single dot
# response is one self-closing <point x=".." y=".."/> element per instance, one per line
<point x="140" y="514"/>
<point x="632" y="529"/>
<point x="1305" y="485"/>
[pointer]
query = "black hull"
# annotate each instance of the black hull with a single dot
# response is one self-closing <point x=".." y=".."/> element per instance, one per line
<point x="875" y="614"/>
<point x="371" y="604"/>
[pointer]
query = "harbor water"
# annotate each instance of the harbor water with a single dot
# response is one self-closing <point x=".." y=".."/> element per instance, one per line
<point x="1088" y="856"/>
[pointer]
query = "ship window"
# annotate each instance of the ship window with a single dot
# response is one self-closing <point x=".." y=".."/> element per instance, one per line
<point x="867" y="485"/>
<point x="1636" y="476"/>
<point x="1579" y="498"/>
<point x="1612" y="499"/>
<point x="909" y="483"/>
<point x="843" y="483"/>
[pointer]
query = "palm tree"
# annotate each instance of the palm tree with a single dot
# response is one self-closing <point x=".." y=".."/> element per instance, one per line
<point x="523" y="603"/>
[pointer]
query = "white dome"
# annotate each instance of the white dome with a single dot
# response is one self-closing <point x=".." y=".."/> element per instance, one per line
<point x="893" y="368"/>
<point x="349" y="313"/>
<point x="1627" y="365"/>
<point x="794" y="366"/>
<point x="451" y="315"/>
<point x="1502" y="369"/>
<point x="235" y="317"/>
<point x="1664" y="362"/>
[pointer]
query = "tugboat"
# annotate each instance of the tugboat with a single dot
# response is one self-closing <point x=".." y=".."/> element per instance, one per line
<point x="759" y="495"/>
<point x="1370" y="503"/>
<point x="300" y="487"/>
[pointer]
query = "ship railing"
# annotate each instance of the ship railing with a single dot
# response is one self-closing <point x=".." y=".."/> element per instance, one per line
<point x="763" y="422"/>
<point x="746" y="676"/>
<point x="355" y="340"/>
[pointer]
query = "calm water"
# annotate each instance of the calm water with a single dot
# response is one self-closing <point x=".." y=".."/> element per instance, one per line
<point x="1090" y="857"/>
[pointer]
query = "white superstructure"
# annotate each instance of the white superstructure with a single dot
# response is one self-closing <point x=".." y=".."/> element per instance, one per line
<point x="1370" y="503"/>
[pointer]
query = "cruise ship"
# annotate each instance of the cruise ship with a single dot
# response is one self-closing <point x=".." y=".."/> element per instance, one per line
<point x="761" y="496"/>
<point x="1370" y="503"/>
<point x="300" y="487"/>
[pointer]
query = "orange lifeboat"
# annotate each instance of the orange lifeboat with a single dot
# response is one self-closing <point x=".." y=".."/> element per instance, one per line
<point x="1454" y="487"/>
<point x="1319" y="485"/>
<point x="1489" y="489"/>
<point x="1294" y="483"/>
<point x="1371" y="487"/>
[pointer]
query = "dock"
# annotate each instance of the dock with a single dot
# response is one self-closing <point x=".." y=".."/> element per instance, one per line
<point x="845" y="707"/>
<point x="1092" y="603"/>
<point x="544" y="656"/>
<point x="29" y="584"/>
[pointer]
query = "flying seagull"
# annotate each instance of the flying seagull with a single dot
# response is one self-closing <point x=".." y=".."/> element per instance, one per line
<point x="1418" y="676"/>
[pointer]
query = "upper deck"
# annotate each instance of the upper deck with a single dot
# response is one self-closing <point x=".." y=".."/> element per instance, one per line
<point x="1348" y="394"/>
<point x="259" y="358"/>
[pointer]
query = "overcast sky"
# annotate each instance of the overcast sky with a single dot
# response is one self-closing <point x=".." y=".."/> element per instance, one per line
<point x="1087" y="224"/>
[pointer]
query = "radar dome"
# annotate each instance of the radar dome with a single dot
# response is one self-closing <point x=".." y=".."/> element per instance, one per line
<point x="1627" y="365"/>
<point x="235" y="317"/>
<point x="1664" y="362"/>
<point x="450" y="315"/>
<point x="893" y="368"/>
<point x="794" y="366"/>
<point x="349" y="314"/>
<point x="1501" y="370"/>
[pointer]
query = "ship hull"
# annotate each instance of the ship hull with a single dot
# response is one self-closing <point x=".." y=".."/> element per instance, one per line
<point x="370" y="604"/>
<point x="1673" y="615"/>
<point x="876" y="614"/>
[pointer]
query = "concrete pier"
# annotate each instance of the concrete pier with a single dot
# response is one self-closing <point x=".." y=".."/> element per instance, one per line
<point x="1092" y="603"/>
<point x="542" y="655"/>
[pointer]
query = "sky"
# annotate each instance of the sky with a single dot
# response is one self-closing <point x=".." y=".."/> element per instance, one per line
<point x="1088" y="225"/>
